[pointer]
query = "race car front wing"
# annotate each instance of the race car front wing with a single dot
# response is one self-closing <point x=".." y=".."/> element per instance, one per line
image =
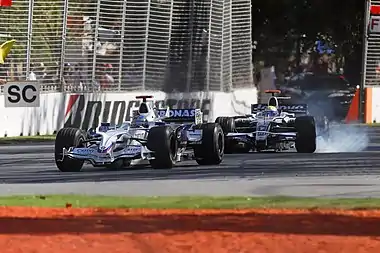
<point x="102" y="158"/>
<point x="264" y="139"/>
<point x="291" y="136"/>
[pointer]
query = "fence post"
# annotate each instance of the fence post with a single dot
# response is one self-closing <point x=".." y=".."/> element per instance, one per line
<point x="222" y="49"/>
<point x="364" y="62"/>
<point x="96" y="35"/>
<point x="30" y="32"/>
<point x="230" y="47"/>
<point x="146" y="44"/>
<point x="122" y="39"/>
<point x="170" y="23"/>
<point x="63" y="46"/>
<point x="251" y="49"/>
<point x="209" y="48"/>
<point x="190" y="60"/>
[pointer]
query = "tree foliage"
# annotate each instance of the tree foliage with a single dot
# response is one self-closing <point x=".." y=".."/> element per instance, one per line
<point x="277" y="24"/>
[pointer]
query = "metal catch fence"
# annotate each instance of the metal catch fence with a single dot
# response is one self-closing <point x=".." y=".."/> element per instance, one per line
<point x="126" y="45"/>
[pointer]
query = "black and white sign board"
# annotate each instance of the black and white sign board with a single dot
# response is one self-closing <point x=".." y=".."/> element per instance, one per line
<point x="22" y="94"/>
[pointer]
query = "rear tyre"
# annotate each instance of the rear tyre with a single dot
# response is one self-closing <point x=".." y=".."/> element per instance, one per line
<point x="66" y="138"/>
<point x="211" y="151"/>
<point x="306" y="134"/>
<point x="228" y="126"/>
<point x="226" y="123"/>
<point x="162" y="141"/>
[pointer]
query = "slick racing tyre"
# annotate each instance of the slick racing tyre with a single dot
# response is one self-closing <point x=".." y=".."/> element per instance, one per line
<point x="306" y="134"/>
<point x="162" y="141"/>
<point x="226" y="123"/>
<point x="228" y="126"/>
<point x="66" y="138"/>
<point x="211" y="151"/>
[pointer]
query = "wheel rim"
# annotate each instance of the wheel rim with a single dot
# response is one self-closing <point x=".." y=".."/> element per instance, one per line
<point x="220" y="143"/>
<point x="173" y="147"/>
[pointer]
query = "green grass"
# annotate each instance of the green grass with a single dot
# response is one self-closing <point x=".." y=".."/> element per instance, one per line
<point x="373" y="124"/>
<point x="366" y="124"/>
<point x="188" y="202"/>
<point x="27" y="139"/>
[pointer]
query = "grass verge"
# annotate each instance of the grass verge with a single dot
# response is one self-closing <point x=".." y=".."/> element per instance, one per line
<point x="27" y="139"/>
<point x="373" y="124"/>
<point x="193" y="202"/>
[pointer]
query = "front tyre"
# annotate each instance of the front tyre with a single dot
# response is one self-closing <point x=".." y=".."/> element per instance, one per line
<point x="211" y="151"/>
<point x="162" y="141"/>
<point x="66" y="138"/>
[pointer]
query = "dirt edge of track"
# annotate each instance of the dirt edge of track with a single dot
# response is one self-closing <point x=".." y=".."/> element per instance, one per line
<point x="27" y="229"/>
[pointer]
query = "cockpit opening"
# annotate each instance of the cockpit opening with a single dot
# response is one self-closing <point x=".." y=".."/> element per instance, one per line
<point x="273" y="102"/>
<point x="143" y="108"/>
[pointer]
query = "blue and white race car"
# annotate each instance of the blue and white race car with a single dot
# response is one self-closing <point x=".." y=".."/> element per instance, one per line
<point x="270" y="127"/>
<point x="162" y="137"/>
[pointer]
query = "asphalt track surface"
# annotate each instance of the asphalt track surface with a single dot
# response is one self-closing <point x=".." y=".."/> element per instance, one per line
<point x="350" y="168"/>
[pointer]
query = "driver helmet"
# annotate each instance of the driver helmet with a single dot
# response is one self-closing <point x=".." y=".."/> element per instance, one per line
<point x="271" y="111"/>
<point x="139" y="120"/>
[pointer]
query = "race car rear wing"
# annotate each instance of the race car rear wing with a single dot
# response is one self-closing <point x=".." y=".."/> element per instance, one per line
<point x="290" y="108"/>
<point x="181" y="115"/>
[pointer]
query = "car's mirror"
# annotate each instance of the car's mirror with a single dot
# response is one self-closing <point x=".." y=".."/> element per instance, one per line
<point x="91" y="131"/>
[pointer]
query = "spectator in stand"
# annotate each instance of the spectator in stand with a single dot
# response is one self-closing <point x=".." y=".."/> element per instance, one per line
<point x="106" y="80"/>
<point x="77" y="76"/>
<point x="321" y="65"/>
<point x="33" y="73"/>
<point x="67" y="80"/>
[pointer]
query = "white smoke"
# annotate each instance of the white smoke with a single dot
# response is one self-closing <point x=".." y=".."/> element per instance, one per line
<point x="343" y="138"/>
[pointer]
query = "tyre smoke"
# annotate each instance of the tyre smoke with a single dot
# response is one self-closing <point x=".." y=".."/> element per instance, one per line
<point x="343" y="138"/>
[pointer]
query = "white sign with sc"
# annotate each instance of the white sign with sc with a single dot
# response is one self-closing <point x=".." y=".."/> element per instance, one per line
<point x="22" y="94"/>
